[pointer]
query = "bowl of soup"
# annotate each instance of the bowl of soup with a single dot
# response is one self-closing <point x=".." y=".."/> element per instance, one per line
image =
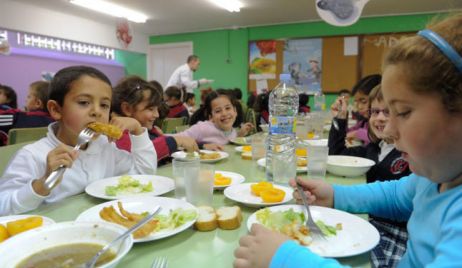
<point x="65" y="244"/>
<point x="348" y="166"/>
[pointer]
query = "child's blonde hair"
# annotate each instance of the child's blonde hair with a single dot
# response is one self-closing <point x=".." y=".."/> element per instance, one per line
<point x="427" y="69"/>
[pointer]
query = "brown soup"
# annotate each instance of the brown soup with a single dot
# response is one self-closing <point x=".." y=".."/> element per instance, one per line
<point x="66" y="256"/>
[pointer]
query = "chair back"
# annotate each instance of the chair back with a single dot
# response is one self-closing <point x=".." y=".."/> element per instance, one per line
<point x="181" y="128"/>
<point x="169" y="124"/>
<point x="7" y="153"/>
<point x="19" y="135"/>
<point x="250" y="117"/>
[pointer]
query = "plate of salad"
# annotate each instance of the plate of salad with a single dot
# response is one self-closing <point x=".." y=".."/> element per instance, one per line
<point x="346" y="234"/>
<point x="130" y="185"/>
<point x="174" y="215"/>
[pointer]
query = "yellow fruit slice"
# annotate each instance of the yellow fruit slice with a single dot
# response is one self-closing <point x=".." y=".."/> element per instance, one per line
<point x="272" y="195"/>
<point x="19" y="226"/>
<point x="257" y="188"/>
<point x="3" y="233"/>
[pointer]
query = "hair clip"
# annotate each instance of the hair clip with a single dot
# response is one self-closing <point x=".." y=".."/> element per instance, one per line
<point x="443" y="46"/>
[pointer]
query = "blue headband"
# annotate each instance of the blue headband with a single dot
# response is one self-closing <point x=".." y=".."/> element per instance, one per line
<point x="443" y="46"/>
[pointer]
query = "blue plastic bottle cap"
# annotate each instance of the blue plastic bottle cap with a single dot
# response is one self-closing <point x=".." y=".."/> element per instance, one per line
<point x="284" y="77"/>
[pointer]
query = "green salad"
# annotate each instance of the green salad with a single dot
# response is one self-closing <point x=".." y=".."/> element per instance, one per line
<point x="128" y="185"/>
<point x="175" y="218"/>
<point x="278" y="220"/>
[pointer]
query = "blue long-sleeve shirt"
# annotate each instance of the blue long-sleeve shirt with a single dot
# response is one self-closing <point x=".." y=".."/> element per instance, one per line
<point x="434" y="222"/>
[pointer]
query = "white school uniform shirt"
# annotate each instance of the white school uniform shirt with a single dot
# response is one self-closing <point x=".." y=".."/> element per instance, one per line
<point x="183" y="76"/>
<point x="100" y="160"/>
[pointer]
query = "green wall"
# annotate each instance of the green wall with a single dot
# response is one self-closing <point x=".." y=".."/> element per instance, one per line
<point x="135" y="63"/>
<point x="224" y="53"/>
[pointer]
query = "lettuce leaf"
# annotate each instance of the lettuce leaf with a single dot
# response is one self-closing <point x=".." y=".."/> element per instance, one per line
<point x="128" y="185"/>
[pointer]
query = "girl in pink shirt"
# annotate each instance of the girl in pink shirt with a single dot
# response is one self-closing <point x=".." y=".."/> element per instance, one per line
<point x="218" y="130"/>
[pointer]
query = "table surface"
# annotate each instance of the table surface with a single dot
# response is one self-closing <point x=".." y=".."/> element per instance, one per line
<point x="191" y="248"/>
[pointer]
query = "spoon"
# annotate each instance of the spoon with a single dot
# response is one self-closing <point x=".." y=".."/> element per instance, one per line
<point x="91" y="263"/>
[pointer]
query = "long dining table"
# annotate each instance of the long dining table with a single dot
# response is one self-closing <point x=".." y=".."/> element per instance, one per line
<point x="192" y="248"/>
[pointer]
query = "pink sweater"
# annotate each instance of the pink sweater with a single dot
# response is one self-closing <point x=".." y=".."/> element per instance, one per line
<point x="207" y="132"/>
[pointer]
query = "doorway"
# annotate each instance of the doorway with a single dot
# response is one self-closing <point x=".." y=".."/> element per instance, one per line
<point x="163" y="59"/>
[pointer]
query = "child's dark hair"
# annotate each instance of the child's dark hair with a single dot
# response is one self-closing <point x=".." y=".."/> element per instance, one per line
<point x="173" y="92"/>
<point x="189" y="96"/>
<point x="262" y="103"/>
<point x="62" y="81"/>
<point x="303" y="99"/>
<point x="366" y="84"/>
<point x="10" y="95"/>
<point x="344" y="91"/>
<point x="41" y="89"/>
<point x="130" y="90"/>
<point x="157" y="86"/>
<point x="205" y="111"/>
<point x="237" y="93"/>
<point x="251" y="100"/>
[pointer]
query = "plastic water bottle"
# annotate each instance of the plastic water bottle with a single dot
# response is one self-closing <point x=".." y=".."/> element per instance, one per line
<point x="281" y="161"/>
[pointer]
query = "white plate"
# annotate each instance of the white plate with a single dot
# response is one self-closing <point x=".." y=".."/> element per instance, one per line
<point x="239" y="149"/>
<point x="241" y="141"/>
<point x="6" y="219"/>
<point x="356" y="237"/>
<point x="223" y="155"/>
<point x="160" y="185"/>
<point x="236" y="178"/>
<point x="262" y="163"/>
<point x="241" y="193"/>
<point x="182" y="155"/>
<point x="139" y="205"/>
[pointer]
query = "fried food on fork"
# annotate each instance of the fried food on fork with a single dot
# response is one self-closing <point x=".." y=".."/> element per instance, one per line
<point x="111" y="131"/>
<point x="127" y="220"/>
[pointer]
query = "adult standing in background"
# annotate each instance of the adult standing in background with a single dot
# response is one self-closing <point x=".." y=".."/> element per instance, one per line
<point x="183" y="75"/>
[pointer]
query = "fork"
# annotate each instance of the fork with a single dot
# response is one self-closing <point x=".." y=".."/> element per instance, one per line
<point x="160" y="262"/>
<point x="84" y="136"/>
<point x="314" y="229"/>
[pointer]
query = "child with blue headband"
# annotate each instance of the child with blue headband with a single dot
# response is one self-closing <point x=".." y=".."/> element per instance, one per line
<point x="422" y="86"/>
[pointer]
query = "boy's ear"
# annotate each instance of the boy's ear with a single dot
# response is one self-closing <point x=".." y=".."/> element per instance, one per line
<point x="126" y="109"/>
<point x="54" y="109"/>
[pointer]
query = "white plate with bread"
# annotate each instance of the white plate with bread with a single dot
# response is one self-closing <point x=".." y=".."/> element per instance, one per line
<point x="241" y="193"/>
<point x="226" y="218"/>
<point x="143" y="204"/>
<point x="357" y="235"/>
<point x="301" y="164"/>
<point x="235" y="178"/>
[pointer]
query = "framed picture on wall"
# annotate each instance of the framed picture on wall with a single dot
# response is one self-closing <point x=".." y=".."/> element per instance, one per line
<point x="303" y="61"/>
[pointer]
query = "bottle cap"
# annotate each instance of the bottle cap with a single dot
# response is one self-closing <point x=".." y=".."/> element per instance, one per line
<point x="284" y="77"/>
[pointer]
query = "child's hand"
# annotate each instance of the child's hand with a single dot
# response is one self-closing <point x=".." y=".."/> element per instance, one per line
<point x="62" y="155"/>
<point x="258" y="247"/>
<point x="214" y="147"/>
<point x="245" y="129"/>
<point x="129" y="123"/>
<point x="339" y="108"/>
<point x="189" y="144"/>
<point x="318" y="192"/>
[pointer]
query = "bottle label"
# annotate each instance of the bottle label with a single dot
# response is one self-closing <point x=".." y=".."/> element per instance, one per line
<point x="282" y="124"/>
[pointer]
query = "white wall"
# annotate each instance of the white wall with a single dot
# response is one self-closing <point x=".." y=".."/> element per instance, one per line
<point x="27" y="18"/>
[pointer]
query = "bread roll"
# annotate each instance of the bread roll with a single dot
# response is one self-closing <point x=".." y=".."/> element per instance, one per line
<point x="229" y="218"/>
<point x="207" y="219"/>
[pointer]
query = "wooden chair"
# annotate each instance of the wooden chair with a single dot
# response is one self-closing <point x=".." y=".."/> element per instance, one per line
<point x="19" y="135"/>
<point x="250" y="117"/>
<point x="7" y="153"/>
<point x="169" y="124"/>
<point x="181" y="128"/>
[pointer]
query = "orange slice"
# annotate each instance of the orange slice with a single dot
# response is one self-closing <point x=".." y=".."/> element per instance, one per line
<point x="257" y="188"/>
<point x="272" y="195"/>
<point x="221" y="180"/>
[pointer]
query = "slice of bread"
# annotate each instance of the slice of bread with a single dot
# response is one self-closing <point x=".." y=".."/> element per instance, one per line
<point x="207" y="219"/>
<point x="229" y="218"/>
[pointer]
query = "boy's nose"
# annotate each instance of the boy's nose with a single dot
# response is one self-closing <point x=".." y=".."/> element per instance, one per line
<point x="96" y="111"/>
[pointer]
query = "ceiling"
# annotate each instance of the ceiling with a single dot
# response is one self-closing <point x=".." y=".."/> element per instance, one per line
<point x="180" y="16"/>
